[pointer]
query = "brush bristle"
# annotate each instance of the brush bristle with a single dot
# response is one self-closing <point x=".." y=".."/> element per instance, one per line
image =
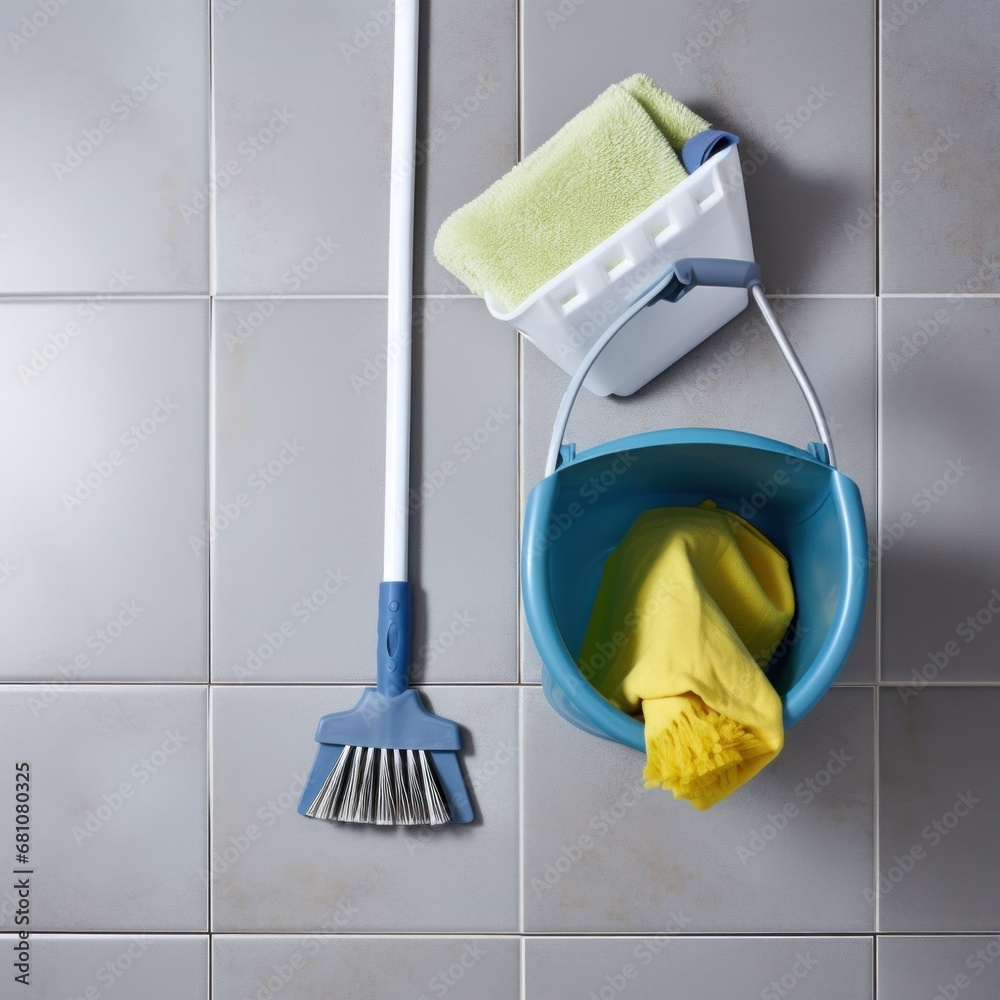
<point x="385" y="787"/>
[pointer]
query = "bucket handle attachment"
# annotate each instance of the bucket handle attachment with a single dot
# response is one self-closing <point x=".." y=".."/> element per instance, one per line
<point x="684" y="275"/>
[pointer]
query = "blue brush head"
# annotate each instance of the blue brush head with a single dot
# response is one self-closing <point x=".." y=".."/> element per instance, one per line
<point x="390" y="717"/>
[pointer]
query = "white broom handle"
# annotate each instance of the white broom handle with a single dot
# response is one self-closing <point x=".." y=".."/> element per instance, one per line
<point x="397" y="413"/>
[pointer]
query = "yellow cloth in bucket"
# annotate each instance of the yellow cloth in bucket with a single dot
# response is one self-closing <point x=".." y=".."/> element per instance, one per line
<point x="692" y="604"/>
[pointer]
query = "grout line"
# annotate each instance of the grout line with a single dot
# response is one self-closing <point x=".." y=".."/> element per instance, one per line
<point x="888" y="685"/>
<point x="210" y="758"/>
<point x="442" y="685"/>
<point x="877" y="141"/>
<point x="18" y="297"/>
<point x="366" y="682"/>
<point x="105" y="297"/>
<point x="229" y="297"/>
<point x="259" y="296"/>
<point x="212" y="401"/>
<point x="523" y="951"/>
<point x="210" y="755"/>
<point x="636" y="935"/>
<point x="518" y="487"/>
<point x="875" y="938"/>
<point x="877" y="818"/>
<point x="940" y="295"/>
<point x="518" y="472"/>
<point x="518" y="484"/>
<point x="891" y="685"/>
<point x="520" y="812"/>
<point x="334" y="296"/>
<point x="212" y="193"/>
<point x="876" y="564"/>
<point x="332" y="935"/>
<point x="876" y="569"/>
<point x="519" y="90"/>
<point x="884" y="685"/>
<point x="212" y="486"/>
<point x="567" y="935"/>
<point x="136" y="686"/>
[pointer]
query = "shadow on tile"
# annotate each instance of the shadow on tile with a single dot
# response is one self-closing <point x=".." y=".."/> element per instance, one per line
<point x="791" y="852"/>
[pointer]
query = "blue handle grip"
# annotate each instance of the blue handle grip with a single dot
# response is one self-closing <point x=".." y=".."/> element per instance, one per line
<point x="394" y="638"/>
<point x="689" y="272"/>
<point x="721" y="272"/>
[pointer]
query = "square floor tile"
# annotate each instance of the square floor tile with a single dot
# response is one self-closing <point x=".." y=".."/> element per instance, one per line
<point x="464" y="506"/>
<point x="465" y="968"/>
<point x="938" y="967"/>
<point x="938" y="817"/>
<point x="940" y="478"/>
<point x="736" y="379"/>
<point x="792" y="852"/>
<point x="939" y="200"/>
<point x="819" y="968"/>
<point x="104" y="433"/>
<point x="119" y="797"/>
<point x="92" y="966"/>
<point x="794" y="81"/>
<point x="111" y="133"/>
<point x="303" y="122"/>
<point x="299" y="480"/>
<point x="274" y="870"/>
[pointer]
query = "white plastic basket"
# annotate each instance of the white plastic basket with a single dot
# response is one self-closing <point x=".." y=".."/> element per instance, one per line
<point x="704" y="216"/>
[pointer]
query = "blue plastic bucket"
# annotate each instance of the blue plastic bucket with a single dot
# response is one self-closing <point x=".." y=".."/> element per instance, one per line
<point x="581" y="510"/>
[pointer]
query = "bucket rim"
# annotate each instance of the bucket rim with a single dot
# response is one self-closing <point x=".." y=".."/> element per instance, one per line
<point x="814" y="453"/>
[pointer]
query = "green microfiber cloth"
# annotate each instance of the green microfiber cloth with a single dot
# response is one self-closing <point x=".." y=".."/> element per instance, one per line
<point x="601" y="169"/>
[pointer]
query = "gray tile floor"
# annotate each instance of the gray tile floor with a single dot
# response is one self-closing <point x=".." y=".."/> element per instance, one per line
<point x="192" y="301"/>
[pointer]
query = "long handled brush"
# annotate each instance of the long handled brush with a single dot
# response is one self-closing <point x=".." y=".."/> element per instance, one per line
<point x="388" y="760"/>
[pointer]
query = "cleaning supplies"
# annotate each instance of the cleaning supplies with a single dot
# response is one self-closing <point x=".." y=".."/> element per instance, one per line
<point x="692" y="604"/>
<point x="389" y="761"/>
<point x="608" y="164"/>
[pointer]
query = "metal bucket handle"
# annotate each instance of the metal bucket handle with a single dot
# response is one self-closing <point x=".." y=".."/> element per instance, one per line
<point x="684" y="275"/>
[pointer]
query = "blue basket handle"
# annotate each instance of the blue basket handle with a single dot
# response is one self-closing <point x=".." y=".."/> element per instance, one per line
<point x="684" y="275"/>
